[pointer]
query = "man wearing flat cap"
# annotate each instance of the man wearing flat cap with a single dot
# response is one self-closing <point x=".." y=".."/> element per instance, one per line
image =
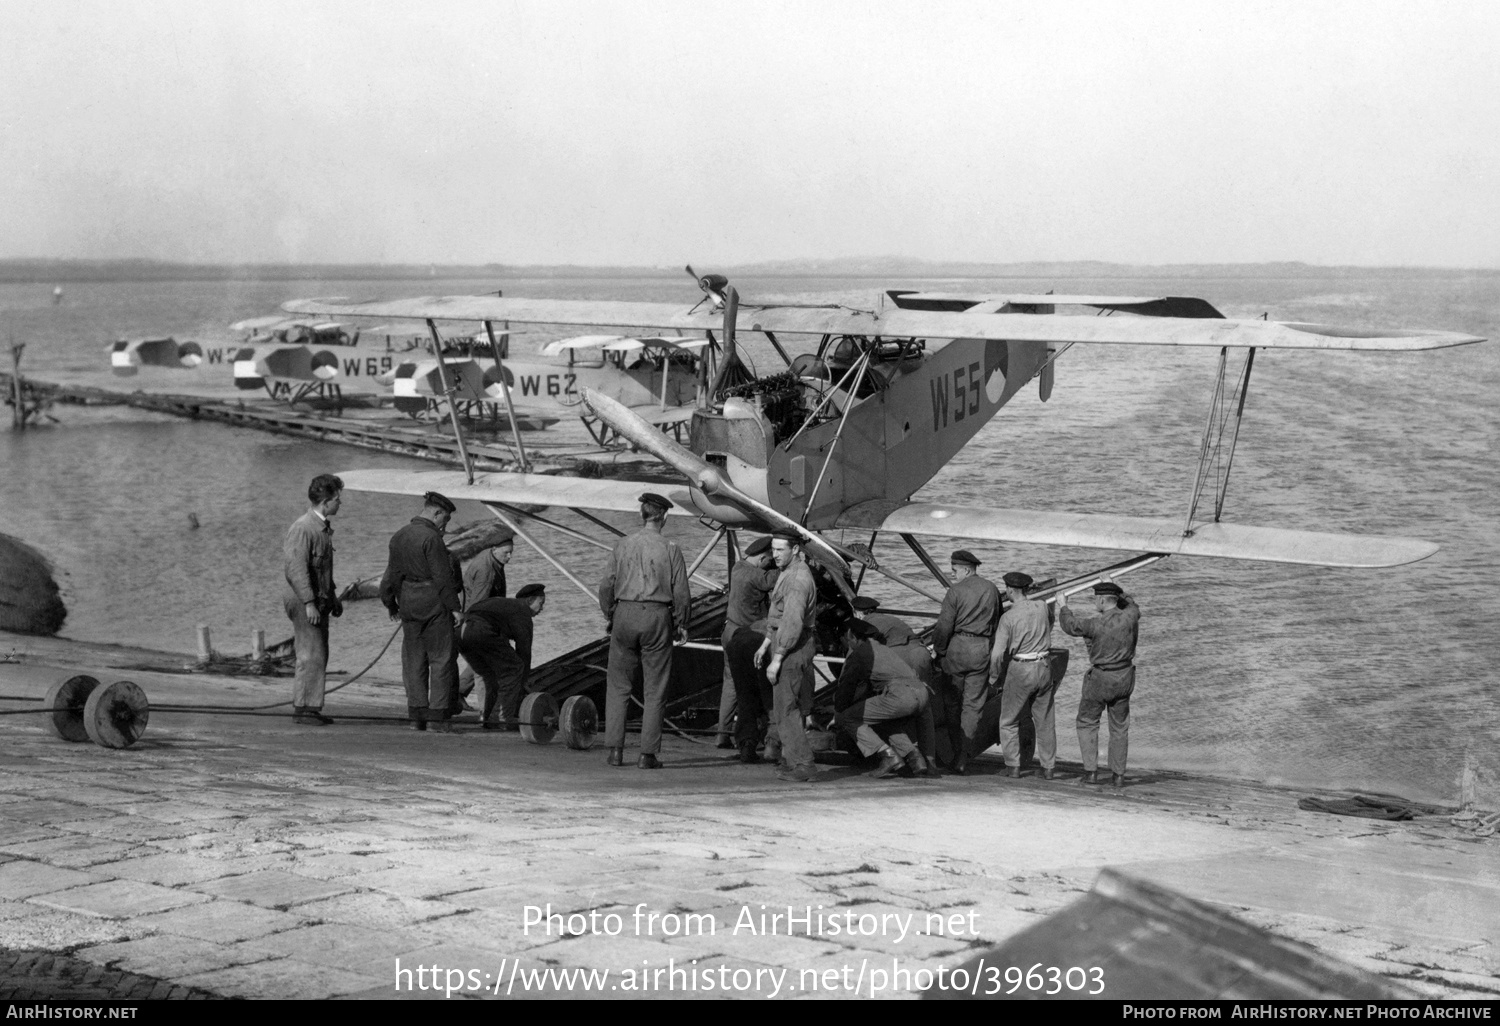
<point x="483" y="577"/>
<point x="750" y="584"/>
<point x="496" y="640"/>
<point x="1021" y="660"/>
<point x="420" y="587"/>
<point x="645" y="600"/>
<point x="1110" y="636"/>
<point x="961" y="640"/>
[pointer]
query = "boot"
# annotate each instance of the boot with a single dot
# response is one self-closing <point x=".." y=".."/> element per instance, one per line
<point x="418" y="716"/>
<point x="889" y="765"/>
<point x="796" y="775"/>
<point x="960" y="765"/>
<point x="308" y="716"/>
<point x="1048" y="773"/>
<point x="725" y="741"/>
<point x="1089" y="777"/>
<point x="442" y="725"/>
<point x="919" y="765"/>
<point x="616" y="757"/>
<point x="648" y="761"/>
<point x="1013" y="772"/>
<point x="1117" y="779"/>
<point x="747" y="753"/>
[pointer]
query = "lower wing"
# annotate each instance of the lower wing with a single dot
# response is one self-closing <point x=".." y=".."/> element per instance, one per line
<point x="1140" y="534"/>
<point x="520" y="489"/>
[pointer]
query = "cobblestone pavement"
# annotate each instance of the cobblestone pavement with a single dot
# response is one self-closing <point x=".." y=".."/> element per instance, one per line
<point x="241" y="856"/>
<point x="44" y="976"/>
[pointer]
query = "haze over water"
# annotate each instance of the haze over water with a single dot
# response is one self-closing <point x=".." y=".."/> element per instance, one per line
<point x="1379" y="680"/>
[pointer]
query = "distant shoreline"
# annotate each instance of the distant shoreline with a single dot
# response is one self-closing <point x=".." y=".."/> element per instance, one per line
<point x="54" y="272"/>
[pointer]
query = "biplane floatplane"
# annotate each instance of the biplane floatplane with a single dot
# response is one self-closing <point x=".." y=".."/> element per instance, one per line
<point x="288" y="357"/>
<point x="298" y="359"/>
<point x="846" y="434"/>
<point x="128" y="355"/>
<point x="656" y="377"/>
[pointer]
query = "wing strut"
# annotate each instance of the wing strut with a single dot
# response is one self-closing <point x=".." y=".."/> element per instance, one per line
<point x="927" y="561"/>
<point x="864" y="365"/>
<point x="515" y="526"/>
<point x="1109" y="573"/>
<point x="1225" y="413"/>
<point x="515" y="429"/>
<point x="780" y="351"/>
<point x="568" y="532"/>
<point x="707" y="551"/>
<point x="448" y="390"/>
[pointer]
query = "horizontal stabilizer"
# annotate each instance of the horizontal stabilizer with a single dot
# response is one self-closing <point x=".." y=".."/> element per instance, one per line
<point x="894" y="323"/>
<point x="519" y="489"/>
<point x="1140" y="534"/>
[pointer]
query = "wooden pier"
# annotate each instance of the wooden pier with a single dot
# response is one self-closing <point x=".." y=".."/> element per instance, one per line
<point x="366" y="424"/>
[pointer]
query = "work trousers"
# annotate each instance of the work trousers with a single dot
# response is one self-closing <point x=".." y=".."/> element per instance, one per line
<point x="1029" y="685"/>
<point x="791" y="697"/>
<point x="429" y="656"/>
<point x="498" y="665"/>
<point x="1105" y="690"/>
<point x="311" y="645"/>
<point x="640" y="649"/>
<point x="890" y="718"/>
<point x="967" y="663"/>
<point x="727" y="690"/>
<point x="754" y="697"/>
<point x="915" y="655"/>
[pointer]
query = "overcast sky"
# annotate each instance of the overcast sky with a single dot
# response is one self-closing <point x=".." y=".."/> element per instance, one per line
<point x="654" y="132"/>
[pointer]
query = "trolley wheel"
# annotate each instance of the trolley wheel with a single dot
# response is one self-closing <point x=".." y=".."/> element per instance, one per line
<point x="66" y="699"/>
<point x="116" y="716"/>
<point x="579" y="723"/>
<point x="539" y="718"/>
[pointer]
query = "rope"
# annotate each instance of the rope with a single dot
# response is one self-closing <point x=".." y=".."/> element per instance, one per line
<point x="679" y="731"/>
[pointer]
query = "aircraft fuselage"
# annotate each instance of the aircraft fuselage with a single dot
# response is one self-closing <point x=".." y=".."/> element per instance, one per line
<point x="921" y="411"/>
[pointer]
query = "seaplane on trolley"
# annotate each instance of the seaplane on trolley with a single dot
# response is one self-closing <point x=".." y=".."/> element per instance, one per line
<point x="845" y="435"/>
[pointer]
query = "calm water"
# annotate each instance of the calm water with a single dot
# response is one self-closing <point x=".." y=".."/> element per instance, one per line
<point x="1380" y="680"/>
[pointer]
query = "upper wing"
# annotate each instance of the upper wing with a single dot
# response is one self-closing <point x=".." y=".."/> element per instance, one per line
<point x="1140" y="534"/>
<point x="1147" y="306"/>
<point x="520" y="489"/>
<point x="897" y="323"/>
